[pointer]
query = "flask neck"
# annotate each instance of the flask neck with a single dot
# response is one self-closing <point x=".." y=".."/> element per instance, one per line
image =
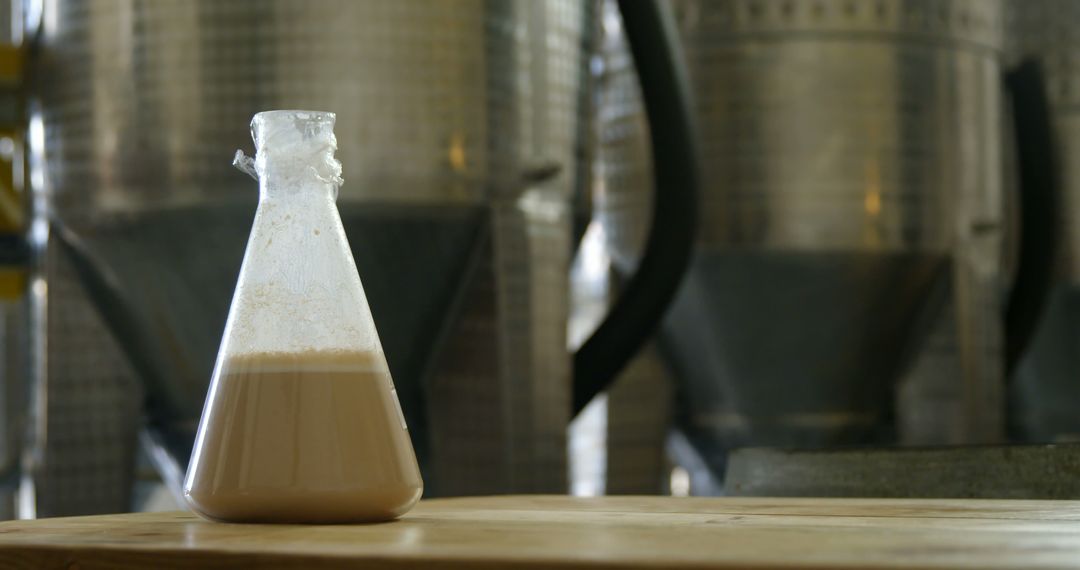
<point x="290" y="185"/>
<point x="294" y="154"/>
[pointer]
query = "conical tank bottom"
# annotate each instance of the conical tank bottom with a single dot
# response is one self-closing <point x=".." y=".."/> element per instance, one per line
<point x="1046" y="383"/>
<point x="795" y="349"/>
<point x="173" y="271"/>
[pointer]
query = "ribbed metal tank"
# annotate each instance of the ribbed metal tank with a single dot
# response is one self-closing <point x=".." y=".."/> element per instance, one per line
<point x="460" y="130"/>
<point x="852" y="186"/>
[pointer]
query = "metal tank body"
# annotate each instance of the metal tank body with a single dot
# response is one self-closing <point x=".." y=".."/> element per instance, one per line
<point x="1045" y="386"/>
<point x="459" y="127"/>
<point x="852" y="188"/>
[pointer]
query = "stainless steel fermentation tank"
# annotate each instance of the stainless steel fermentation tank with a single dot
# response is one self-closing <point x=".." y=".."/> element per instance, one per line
<point x="853" y="192"/>
<point x="462" y="129"/>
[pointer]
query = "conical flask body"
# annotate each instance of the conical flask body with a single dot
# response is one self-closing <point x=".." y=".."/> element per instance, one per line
<point x="301" y="422"/>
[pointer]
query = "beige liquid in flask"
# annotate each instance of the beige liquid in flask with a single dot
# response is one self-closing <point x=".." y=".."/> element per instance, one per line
<point x="302" y="422"/>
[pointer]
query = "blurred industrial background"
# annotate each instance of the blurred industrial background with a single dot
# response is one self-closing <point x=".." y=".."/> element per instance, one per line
<point x="870" y="242"/>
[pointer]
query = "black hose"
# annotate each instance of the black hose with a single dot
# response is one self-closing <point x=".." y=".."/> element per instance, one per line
<point x="1039" y="190"/>
<point x="650" y="31"/>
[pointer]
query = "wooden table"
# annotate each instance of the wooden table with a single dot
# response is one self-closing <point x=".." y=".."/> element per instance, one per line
<point x="563" y="532"/>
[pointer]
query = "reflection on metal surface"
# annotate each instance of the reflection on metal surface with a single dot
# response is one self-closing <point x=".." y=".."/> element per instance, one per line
<point x="587" y="435"/>
<point x="456" y="153"/>
<point x="590" y="289"/>
<point x="680" y="482"/>
<point x="1045" y="391"/>
<point x="165" y="464"/>
<point x="444" y="108"/>
<point x="852" y="174"/>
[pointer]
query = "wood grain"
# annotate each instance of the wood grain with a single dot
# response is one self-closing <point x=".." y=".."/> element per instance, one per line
<point x="564" y="533"/>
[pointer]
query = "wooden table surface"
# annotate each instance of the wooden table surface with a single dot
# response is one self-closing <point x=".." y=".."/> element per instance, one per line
<point x="564" y="532"/>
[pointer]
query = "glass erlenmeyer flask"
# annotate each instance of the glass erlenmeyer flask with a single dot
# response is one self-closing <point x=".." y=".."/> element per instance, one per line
<point x="302" y="422"/>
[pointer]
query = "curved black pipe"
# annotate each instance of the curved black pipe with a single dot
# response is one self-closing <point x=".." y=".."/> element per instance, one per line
<point x="1038" y="175"/>
<point x="650" y="31"/>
